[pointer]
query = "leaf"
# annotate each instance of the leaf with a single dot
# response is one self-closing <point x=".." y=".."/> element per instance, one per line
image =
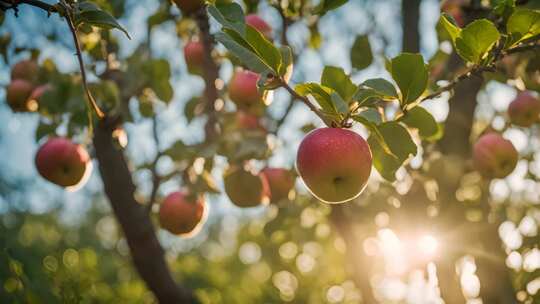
<point x="286" y="68"/>
<point x="476" y="40"/>
<point x="400" y="144"/>
<point x="383" y="87"/>
<point x="328" y="5"/>
<point x="321" y="94"/>
<point x="504" y="7"/>
<point x="249" y="58"/>
<point x="419" y="118"/>
<point x="88" y="13"/>
<point x="159" y="73"/>
<point x="229" y="15"/>
<point x="523" y="24"/>
<point x="335" y="78"/>
<point x="372" y="115"/>
<point x="450" y="27"/>
<point x="339" y="103"/>
<point x="361" y="55"/>
<point x="373" y="128"/>
<point x="410" y="73"/>
<point x="264" y="48"/>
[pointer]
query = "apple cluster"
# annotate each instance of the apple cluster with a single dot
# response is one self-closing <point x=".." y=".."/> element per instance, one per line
<point x="24" y="92"/>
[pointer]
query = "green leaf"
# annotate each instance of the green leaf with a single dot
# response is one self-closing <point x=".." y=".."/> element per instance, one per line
<point x="229" y="15"/>
<point x="475" y="41"/>
<point x="321" y="94"/>
<point x="249" y="58"/>
<point x="339" y="103"/>
<point x="286" y="68"/>
<point x="504" y="7"/>
<point x="335" y="78"/>
<point x="361" y="55"/>
<point x="328" y="5"/>
<point x="522" y="25"/>
<point x="383" y="87"/>
<point x="159" y="74"/>
<point x="264" y="48"/>
<point x="400" y="144"/>
<point x="190" y="108"/>
<point x="88" y="13"/>
<point x="373" y="128"/>
<point x="419" y="118"/>
<point x="410" y="73"/>
<point x="451" y="28"/>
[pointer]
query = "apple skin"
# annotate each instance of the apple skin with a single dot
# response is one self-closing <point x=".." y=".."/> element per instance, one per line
<point x="243" y="89"/>
<point x="248" y="121"/>
<point x="26" y="70"/>
<point x="194" y="56"/>
<point x="524" y="111"/>
<point x="494" y="156"/>
<point x="181" y="214"/>
<point x="281" y="181"/>
<point x="260" y="25"/>
<point x="189" y="6"/>
<point x="17" y="95"/>
<point x="64" y="163"/>
<point x="244" y="188"/>
<point x="334" y="163"/>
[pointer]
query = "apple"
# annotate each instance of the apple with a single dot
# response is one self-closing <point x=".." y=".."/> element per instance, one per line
<point x="260" y="25"/>
<point x="524" y="111"/>
<point x="17" y="95"/>
<point x="281" y="181"/>
<point x="64" y="163"/>
<point x="248" y="121"/>
<point x="189" y="6"/>
<point x="182" y="214"/>
<point x="26" y="70"/>
<point x="243" y="89"/>
<point x="334" y="163"/>
<point x="194" y="56"/>
<point x="244" y="188"/>
<point x="494" y="156"/>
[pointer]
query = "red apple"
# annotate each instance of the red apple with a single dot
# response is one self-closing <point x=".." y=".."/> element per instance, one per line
<point x="194" y="56"/>
<point x="281" y="181"/>
<point x="524" y="111"/>
<point x="181" y="214"/>
<point x="244" y="188"/>
<point x="494" y="156"/>
<point x="26" y="70"/>
<point x="248" y="121"/>
<point x="64" y="163"/>
<point x="189" y="6"/>
<point x="334" y="163"/>
<point x="243" y="89"/>
<point x="17" y="95"/>
<point x="260" y="25"/>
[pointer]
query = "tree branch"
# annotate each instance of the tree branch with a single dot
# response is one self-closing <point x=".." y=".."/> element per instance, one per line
<point x="156" y="179"/>
<point x="306" y="101"/>
<point x="36" y="3"/>
<point x="211" y="71"/>
<point x="147" y="253"/>
<point x="91" y="101"/>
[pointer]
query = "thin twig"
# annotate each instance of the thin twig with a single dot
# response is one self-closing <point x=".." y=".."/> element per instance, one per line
<point x="156" y="178"/>
<point x="306" y="101"/>
<point x="92" y="102"/>
<point x="39" y="4"/>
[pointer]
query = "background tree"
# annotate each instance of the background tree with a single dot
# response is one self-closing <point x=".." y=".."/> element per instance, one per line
<point x="449" y="212"/>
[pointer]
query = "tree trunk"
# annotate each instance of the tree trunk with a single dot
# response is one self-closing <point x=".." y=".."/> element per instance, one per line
<point x="146" y="252"/>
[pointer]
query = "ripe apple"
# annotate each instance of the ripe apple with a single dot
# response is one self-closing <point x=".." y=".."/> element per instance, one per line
<point x="524" y="111"/>
<point x="260" y="25"/>
<point x="64" y="163"/>
<point x="494" y="156"/>
<point x="194" y="56"/>
<point x="26" y="70"/>
<point x="281" y="181"/>
<point x="334" y="163"/>
<point x="17" y="95"/>
<point x="181" y="214"/>
<point x="244" y="188"/>
<point x="243" y="89"/>
<point x="189" y="6"/>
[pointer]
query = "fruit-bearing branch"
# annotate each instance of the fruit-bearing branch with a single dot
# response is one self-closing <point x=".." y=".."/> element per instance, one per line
<point x="306" y="101"/>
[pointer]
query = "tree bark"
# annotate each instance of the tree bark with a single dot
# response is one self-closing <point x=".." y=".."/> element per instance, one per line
<point x="410" y="11"/>
<point x="146" y="252"/>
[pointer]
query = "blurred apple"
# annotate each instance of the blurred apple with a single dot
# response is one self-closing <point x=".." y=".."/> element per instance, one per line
<point x="181" y="214"/>
<point x="494" y="156"/>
